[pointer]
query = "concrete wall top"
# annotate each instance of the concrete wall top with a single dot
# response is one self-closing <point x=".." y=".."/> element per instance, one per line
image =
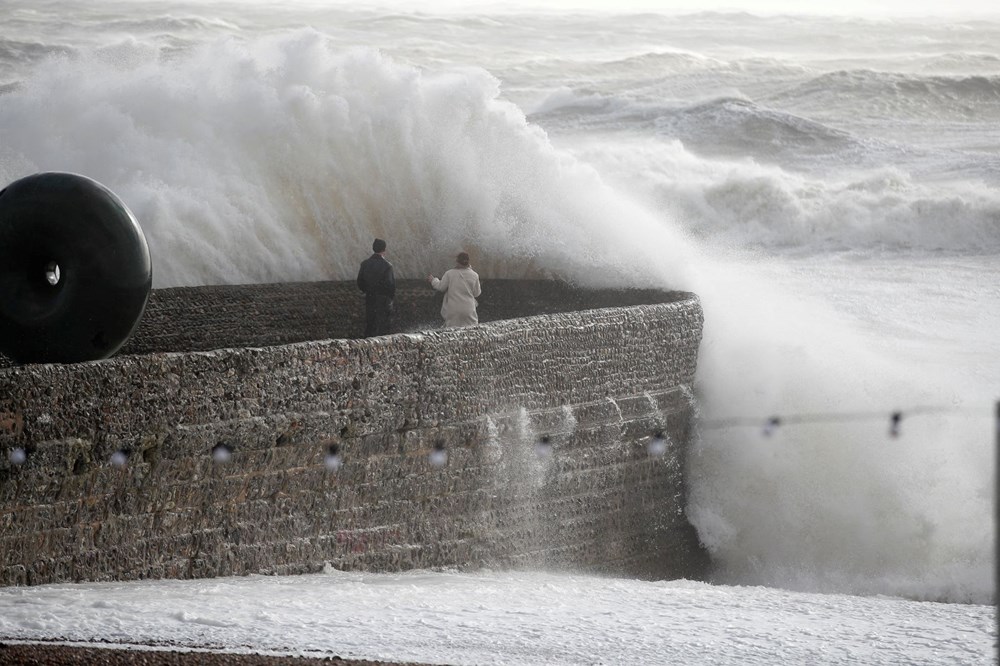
<point x="214" y="317"/>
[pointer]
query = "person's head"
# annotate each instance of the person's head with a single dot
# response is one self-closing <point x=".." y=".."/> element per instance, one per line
<point x="462" y="259"/>
<point x="378" y="246"/>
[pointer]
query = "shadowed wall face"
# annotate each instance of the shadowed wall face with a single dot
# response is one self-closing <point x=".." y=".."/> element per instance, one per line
<point x="437" y="439"/>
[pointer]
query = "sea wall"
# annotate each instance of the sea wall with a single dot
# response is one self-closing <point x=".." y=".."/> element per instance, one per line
<point x="204" y="448"/>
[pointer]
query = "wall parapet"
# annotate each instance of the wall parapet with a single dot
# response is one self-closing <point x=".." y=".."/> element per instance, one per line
<point x="597" y="382"/>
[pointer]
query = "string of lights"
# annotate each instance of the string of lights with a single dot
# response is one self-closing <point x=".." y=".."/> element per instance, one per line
<point x="894" y="419"/>
<point x="657" y="446"/>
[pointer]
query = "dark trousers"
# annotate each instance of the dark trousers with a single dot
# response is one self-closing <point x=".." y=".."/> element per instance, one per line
<point x="377" y="310"/>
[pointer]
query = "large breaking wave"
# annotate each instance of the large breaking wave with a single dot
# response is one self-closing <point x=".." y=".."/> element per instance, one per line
<point x="279" y="160"/>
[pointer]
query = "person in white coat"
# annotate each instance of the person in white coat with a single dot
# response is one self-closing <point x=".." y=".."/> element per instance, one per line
<point x="461" y="288"/>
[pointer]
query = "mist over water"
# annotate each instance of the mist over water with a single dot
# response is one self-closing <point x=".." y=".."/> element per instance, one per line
<point x="830" y="189"/>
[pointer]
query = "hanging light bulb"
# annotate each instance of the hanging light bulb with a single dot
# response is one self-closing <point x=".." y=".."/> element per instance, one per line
<point x="222" y="453"/>
<point x="894" y="424"/>
<point x="17" y="456"/>
<point x="332" y="460"/>
<point x="771" y="425"/>
<point x="119" y="458"/>
<point x="658" y="444"/>
<point x="543" y="447"/>
<point x="438" y="455"/>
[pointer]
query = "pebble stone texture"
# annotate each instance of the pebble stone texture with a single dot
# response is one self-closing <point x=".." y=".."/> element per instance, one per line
<point x="204" y="448"/>
<point x="62" y="655"/>
<point x="36" y="654"/>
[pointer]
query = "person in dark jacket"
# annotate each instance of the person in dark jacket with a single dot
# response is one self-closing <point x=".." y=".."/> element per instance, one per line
<point x="379" y="284"/>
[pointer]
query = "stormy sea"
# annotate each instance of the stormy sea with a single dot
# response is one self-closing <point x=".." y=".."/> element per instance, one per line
<point x="828" y="185"/>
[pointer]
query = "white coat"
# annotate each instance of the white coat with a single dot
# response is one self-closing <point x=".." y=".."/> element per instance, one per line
<point x="460" y="287"/>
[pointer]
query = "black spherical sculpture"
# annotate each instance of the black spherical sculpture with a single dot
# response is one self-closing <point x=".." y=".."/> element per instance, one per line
<point x="75" y="272"/>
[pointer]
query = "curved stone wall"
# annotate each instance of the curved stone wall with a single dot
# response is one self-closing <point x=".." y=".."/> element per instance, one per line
<point x="119" y="480"/>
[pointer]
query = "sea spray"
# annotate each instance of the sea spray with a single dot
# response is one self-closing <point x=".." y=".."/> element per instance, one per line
<point x="280" y="158"/>
<point x="838" y="506"/>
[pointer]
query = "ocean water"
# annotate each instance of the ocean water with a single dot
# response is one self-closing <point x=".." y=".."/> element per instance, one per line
<point x="829" y="186"/>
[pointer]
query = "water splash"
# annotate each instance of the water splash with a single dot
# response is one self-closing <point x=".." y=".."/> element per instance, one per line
<point x="618" y="410"/>
<point x="568" y="420"/>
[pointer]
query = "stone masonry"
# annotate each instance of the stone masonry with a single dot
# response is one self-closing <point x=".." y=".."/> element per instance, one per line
<point x="522" y="442"/>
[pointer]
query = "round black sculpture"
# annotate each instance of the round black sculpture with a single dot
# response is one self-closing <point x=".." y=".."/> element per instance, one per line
<point x="75" y="272"/>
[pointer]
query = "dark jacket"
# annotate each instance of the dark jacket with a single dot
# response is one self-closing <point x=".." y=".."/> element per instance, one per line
<point x="376" y="278"/>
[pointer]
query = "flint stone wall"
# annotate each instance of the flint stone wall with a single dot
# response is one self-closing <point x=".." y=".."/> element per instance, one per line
<point x="596" y="383"/>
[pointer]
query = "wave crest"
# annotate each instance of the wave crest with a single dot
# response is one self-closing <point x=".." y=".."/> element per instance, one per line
<point x="278" y="159"/>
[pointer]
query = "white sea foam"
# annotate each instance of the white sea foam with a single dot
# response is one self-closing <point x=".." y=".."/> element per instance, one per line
<point x="280" y="159"/>
<point x="500" y="618"/>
